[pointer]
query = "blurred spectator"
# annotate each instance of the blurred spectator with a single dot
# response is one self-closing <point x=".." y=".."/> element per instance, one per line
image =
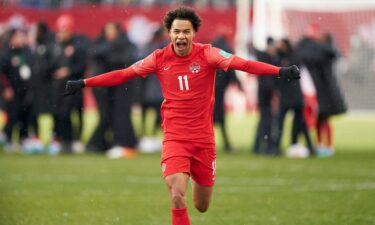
<point x="333" y="101"/>
<point x="152" y="95"/>
<point x="112" y="51"/>
<point x="4" y="84"/>
<point x="291" y="98"/>
<point x="42" y="46"/>
<point x="68" y="62"/>
<point x="266" y="91"/>
<point x="15" y="64"/>
<point x="318" y="55"/>
<point x="222" y="80"/>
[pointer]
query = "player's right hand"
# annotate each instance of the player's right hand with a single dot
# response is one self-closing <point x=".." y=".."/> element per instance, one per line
<point x="72" y="86"/>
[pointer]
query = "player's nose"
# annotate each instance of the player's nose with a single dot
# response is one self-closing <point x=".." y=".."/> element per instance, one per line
<point x="181" y="35"/>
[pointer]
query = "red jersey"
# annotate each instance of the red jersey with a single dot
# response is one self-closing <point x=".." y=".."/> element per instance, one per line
<point x="188" y="85"/>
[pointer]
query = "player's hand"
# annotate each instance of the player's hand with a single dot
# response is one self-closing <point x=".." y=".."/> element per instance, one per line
<point x="72" y="86"/>
<point x="290" y="72"/>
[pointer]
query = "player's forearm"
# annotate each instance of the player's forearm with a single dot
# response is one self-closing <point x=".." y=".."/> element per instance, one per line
<point x="111" y="78"/>
<point x="253" y="67"/>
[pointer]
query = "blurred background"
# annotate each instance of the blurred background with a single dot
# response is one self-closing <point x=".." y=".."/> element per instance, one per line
<point x="55" y="152"/>
<point x="73" y="39"/>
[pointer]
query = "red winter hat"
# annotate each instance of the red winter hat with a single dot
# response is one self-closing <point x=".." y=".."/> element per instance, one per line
<point x="313" y="30"/>
<point x="65" y="22"/>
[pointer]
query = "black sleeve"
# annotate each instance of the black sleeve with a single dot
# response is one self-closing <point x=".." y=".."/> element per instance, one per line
<point x="78" y="64"/>
<point x="3" y="61"/>
<point x="122" y="53"/>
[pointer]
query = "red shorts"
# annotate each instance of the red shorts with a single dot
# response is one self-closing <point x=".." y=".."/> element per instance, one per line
<point x="194" y="158"/>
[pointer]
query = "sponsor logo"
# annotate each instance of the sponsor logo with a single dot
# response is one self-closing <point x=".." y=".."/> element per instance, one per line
<point x="166" y="68"/>
<point x="195" y="67"/>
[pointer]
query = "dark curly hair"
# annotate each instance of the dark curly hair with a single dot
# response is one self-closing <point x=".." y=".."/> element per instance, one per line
<point x="182" y="13"/>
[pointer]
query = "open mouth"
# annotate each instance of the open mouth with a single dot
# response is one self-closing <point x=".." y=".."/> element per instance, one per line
<point x="181" y="45"/>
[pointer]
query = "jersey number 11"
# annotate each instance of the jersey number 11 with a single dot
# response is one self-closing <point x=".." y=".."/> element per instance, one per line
<point x="184" y="83"/>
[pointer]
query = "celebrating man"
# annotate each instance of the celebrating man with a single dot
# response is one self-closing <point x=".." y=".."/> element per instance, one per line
<point x="186" y="72"/>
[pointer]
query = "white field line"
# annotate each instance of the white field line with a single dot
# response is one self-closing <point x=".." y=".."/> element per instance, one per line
<point x="223" y="184"/>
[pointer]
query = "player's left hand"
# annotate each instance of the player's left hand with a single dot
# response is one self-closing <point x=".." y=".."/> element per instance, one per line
<point x="290" y="72"/>
<point x="73" y="86"/>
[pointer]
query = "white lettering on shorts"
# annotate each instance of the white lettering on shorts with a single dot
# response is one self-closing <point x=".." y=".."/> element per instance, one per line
<point x="163" y="167"/>
<point x="213" y="168"/>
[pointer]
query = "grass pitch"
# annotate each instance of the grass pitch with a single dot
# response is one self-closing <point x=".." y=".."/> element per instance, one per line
<point x="93" y="190"/>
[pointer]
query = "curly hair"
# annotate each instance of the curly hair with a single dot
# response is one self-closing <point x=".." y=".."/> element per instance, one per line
<point x="182" y="13"/>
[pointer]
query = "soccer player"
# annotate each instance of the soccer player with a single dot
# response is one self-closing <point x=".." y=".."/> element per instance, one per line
<point x="186" y="72"/>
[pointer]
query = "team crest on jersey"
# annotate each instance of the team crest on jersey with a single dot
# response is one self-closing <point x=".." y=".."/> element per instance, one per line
<point x="195" y="67"/>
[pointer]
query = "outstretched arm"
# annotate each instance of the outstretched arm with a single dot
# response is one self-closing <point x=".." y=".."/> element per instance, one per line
<point x="142" y="68"/>
<point x="104" y="80"/>
<point x="260" y="68"/>
<point x="113" y="78"/>
<point x="253" y="67"/>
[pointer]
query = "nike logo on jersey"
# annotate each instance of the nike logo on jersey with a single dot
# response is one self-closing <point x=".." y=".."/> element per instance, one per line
<point x="166" y="68"/>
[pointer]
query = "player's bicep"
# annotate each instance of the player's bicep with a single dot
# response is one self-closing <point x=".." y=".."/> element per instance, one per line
<point x="218" y="58"/>
<point x="146" y="66"/>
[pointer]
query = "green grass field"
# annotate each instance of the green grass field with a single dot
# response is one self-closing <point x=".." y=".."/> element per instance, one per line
<point x="93" y="190"/>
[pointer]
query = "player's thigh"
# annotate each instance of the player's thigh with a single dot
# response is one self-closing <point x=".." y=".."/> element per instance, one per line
<point x="203" y="171"/>
<point x="202" y="196"/>
<point x="203" y="167"/>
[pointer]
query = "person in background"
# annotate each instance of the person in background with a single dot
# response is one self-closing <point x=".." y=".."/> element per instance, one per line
<point x="41" y="44"/>
<point x="223" y="79"/>
<point x="4" y="86"/>
<point x="15" y="65"/>
<point x="112" y="51"/>
<point x="152" y="96"/>
<point x="318" y="55"/>
<point x="291" y="98"/>
<point x="331" y="98"/>
<point x="263" y="143"/>
<point x="69" y="61"/>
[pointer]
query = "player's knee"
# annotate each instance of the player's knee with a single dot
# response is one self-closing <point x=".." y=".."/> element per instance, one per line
<point x="201" y="207"/>
<point x="177" y="198"/>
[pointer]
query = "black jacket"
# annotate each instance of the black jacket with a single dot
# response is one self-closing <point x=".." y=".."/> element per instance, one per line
<point x="319" y="59"/>
<point x="42" y="70"/>
<point x="15" y="64"/>
<point x="266" y="84"/>
<point x="222" y="80"/>
<point x="290" y="90"/>
<point x="71" y="54"/>
<point x="113" y="55"/>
